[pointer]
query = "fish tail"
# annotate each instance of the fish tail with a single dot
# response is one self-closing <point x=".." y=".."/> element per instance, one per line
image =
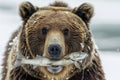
<point x="18" y="61"/>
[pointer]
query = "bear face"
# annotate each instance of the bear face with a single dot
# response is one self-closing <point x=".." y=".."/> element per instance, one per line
<point x="51" y="26"/>
<point x="54" y="32"/>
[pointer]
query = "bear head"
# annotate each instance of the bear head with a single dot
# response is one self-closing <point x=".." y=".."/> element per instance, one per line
<point x="54" y="32"/>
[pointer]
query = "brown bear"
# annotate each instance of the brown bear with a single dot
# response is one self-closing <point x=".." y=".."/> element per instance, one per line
<point x="53" y="31"/>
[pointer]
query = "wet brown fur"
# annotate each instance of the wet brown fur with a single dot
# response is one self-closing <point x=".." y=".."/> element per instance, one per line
<point x="92" y="69"/>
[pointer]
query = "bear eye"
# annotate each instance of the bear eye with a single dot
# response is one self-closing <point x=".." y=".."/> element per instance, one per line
<point x="44" y="31"/>
<point x="65" y="31"/>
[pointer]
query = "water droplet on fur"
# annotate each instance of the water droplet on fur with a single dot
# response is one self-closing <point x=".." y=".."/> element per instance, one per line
<point x="35" y="22"/>
<point x="52" y="79"/>
<point x="72" y="70"/>
<point x="37" y="18"/>
<point x="80" y="61"/>
<point x="45" y="76"/>
<point x="28" y="57"/>
<point x="66" y="12"/>
<point x="15" y="39"/>
<point x="11" y="43"/>
<point x="67" y="78"/>
<point x="82" y="45"/>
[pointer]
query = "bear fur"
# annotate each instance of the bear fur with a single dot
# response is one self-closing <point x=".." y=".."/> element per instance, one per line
<point x="39" y="24"/>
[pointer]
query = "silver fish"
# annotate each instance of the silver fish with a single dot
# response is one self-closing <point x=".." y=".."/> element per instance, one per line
<point x="43" y="61"/>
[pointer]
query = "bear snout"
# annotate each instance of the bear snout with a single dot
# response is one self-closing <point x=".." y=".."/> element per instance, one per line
<point x="54" y="50"/>
<point x="54" y="45"/>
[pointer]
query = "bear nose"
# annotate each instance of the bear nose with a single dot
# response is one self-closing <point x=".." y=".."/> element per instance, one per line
<point x="54" y="50"/>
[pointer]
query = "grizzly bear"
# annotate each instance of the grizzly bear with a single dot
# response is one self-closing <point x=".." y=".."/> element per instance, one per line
<point x="53" y="31"/>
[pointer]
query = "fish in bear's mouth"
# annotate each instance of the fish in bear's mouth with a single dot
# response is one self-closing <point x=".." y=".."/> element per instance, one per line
<point x="53" y="66"/>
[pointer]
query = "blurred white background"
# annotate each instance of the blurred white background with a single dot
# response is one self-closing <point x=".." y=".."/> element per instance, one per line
<point x="105" y="26"/>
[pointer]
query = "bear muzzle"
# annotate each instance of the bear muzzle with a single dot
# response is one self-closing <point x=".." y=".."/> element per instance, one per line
<point x="54" y="50"/>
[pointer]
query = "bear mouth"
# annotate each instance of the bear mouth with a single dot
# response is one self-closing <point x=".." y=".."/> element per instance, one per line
<point x="54" y="69"/>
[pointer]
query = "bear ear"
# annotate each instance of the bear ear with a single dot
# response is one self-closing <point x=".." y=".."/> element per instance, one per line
<point x="26" y="9"/>
<point x="85" y="12"/>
